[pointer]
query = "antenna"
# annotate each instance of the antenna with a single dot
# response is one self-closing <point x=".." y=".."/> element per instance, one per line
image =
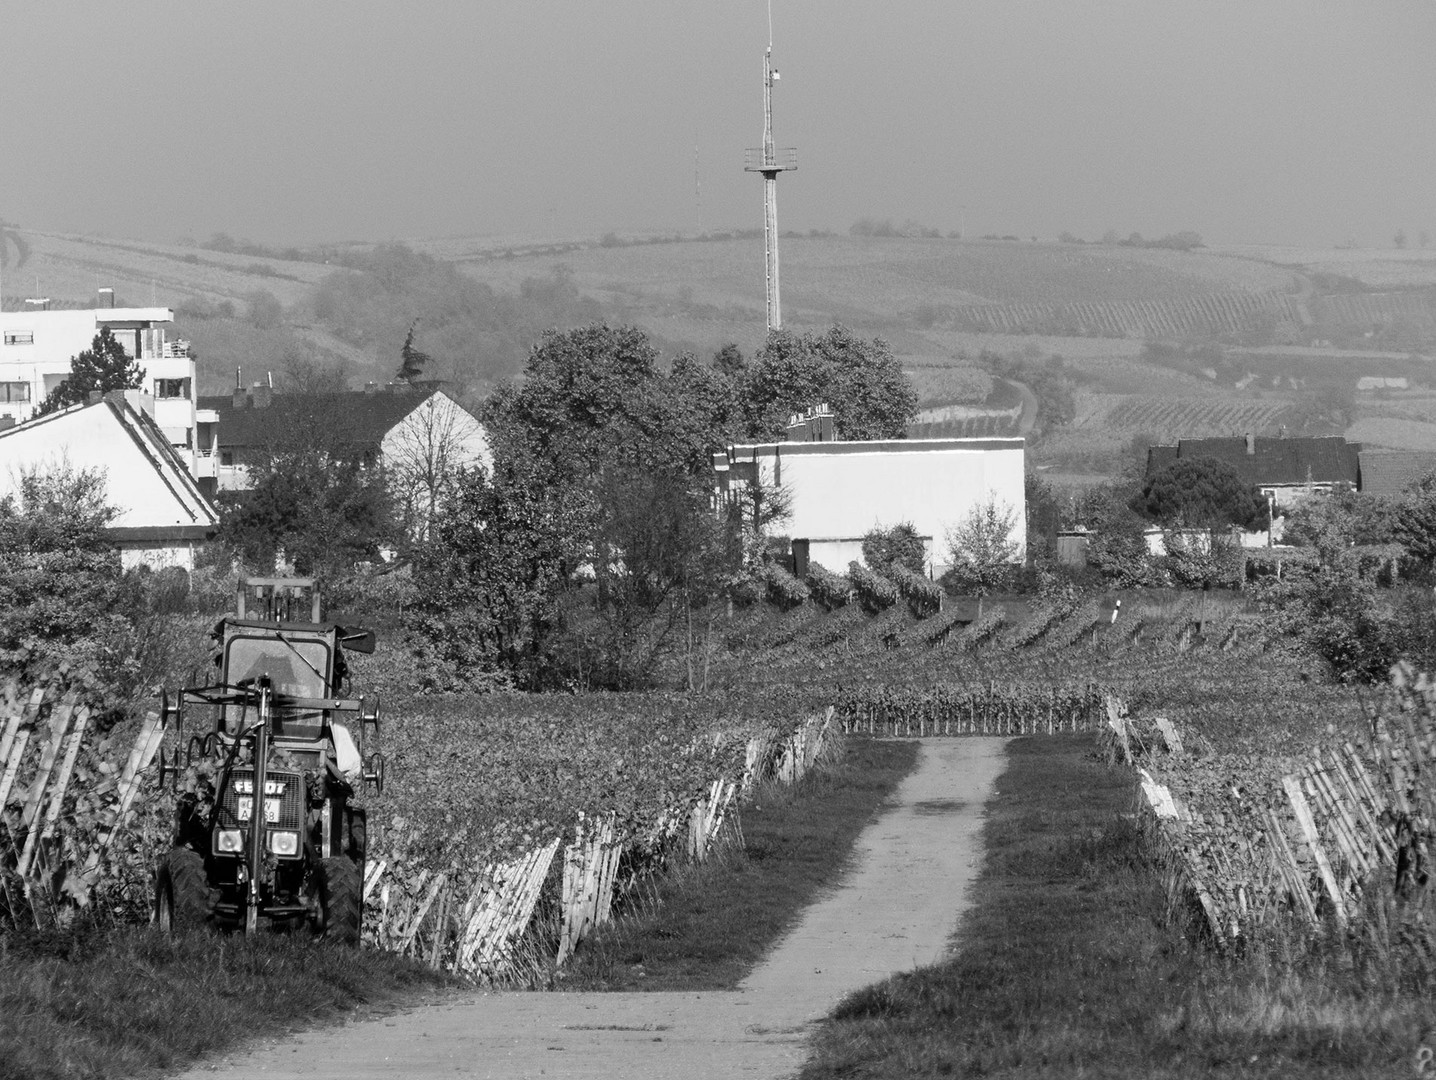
<point x="770" y="162"/>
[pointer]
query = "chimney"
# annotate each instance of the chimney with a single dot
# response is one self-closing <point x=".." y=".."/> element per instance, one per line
<point x="239" y="398"/>
<point x="261" y="395"/>
<point x="107" y="297"/>
<point x="371" y="388"/>
<point x="1251" y="444"/>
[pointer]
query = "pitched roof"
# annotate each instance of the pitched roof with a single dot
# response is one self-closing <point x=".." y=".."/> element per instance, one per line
<point x="128" y="444"/>
<point x="1271" y="461"/>
<point x="1390" y="472"/>
<point x="362" y="418"/>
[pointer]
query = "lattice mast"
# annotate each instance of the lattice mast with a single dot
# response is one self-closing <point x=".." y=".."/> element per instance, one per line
<point x="770" y="162"/>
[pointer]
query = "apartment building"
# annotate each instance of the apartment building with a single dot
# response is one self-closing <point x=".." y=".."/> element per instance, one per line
<point x="37" y="345"/>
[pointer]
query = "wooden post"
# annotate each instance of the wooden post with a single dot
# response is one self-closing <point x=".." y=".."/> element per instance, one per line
<point x="1313" y="841"/>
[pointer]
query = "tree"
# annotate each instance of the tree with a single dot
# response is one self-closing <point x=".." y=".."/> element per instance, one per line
<point x="103" y="367"/>
<point x="411" y="361"/>
<point x="423" y="459"/>
<point x="321" y="512"/>
<point x="1414" y="527"/>
<point x="60" y="578"/>
<point x="1203" y="493"/>
<point x="490" y="579"/>
<point x="602" y="466"/>
<point x="899" y="544"/>
<point x="870" y="396"/>
<point x="982" y="548"/>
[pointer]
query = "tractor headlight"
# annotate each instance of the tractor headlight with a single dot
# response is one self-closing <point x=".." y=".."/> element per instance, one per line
<point x="229" y="841"/>
<point x="284" y="843"/>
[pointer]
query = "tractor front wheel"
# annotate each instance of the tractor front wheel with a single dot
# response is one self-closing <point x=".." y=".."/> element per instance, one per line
<point x="181" y="892"/>
<point x="341" y="900"/>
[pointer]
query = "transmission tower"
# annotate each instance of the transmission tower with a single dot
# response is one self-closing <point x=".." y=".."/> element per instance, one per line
<point x="770" y="162"/>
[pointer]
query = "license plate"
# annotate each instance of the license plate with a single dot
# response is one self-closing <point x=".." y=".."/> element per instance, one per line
<point x="245" y="809"/>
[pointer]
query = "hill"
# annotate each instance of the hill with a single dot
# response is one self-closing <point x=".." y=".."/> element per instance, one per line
<point x="1289" y="325"/>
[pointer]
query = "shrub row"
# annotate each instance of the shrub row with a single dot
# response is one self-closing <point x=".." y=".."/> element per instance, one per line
<point x="925" y="594"/>
<point x="873" y="589"/>
<point x="829" y="589"/>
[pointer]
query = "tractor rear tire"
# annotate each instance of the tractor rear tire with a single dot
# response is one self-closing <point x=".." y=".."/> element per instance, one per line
<point x="182" y="892"/>
<point x="341" y="899"/>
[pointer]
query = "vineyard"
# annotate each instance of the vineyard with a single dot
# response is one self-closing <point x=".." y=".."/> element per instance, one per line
<point x="559" y="804"/>
<point x="511" y="826"/>
<point x="1174" y="418"/>
<point x="1208" y="313"/>
<point x="1335" y="832"/>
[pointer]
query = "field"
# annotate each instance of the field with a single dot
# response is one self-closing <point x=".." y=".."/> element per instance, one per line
<point x="938" y="303"/>
<point x="1393" y="433"/>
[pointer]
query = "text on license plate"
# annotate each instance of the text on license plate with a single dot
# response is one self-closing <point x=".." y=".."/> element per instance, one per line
<point x="246" y="809"/>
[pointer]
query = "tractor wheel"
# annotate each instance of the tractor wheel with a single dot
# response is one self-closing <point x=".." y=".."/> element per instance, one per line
<point x="181" y="892"/>
<point x="341" y="900"/>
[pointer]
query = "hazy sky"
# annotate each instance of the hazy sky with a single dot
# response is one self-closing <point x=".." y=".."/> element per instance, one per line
<point x="1248" y="121"/>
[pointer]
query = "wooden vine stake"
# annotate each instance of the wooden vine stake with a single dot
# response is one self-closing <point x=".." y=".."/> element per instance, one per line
<point x="1313" y="841"/>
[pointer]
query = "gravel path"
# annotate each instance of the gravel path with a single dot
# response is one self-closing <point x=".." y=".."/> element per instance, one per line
<point x="894" y="911"/>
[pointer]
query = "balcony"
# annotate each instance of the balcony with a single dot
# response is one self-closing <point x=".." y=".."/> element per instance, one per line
<point x="783" y="159"/>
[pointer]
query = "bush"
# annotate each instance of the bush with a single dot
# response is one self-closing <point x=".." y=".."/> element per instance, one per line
<point x="783" y="588"/>
<point x="925" y="595"/>
<point x="829" y="589"/>
<point x="899" y="546"/>
<point x="875" y="591"/>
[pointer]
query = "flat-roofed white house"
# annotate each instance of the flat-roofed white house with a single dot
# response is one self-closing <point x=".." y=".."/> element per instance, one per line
<point x="36" y="348"/>
<point x="840" y="491"/>
<point x="163" y="516"/>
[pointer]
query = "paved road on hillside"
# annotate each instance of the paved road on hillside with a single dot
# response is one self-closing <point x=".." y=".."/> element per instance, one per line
<point x="894" y="911"/>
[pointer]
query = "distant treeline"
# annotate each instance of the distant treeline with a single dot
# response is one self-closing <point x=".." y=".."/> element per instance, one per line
<point x="1178" y="241"/>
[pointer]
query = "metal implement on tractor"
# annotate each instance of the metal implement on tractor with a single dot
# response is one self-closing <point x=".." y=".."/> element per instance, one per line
<point x="268" y="832"/>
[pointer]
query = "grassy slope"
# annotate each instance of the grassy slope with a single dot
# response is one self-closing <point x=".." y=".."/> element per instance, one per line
<point x="1066" y="966"/>
<point x="128" y="1000"/>
<point x="707" y="927"/>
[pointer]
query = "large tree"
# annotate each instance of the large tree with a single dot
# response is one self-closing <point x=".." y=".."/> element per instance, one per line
<point x="103" y="367"/>
<point x="861" y="380"/>
<point x="1201" y="493"/>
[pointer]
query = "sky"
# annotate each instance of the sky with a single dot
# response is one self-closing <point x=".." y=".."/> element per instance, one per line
<point x="301" y="121"/>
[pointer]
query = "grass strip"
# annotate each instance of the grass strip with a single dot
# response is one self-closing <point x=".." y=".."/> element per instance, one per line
<point x="128" y="1000"/>
<point x="705" y="927"/>
<point x="1067" y="966"/>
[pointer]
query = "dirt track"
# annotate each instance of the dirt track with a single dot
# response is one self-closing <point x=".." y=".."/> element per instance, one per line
<point x="894" y="911"/>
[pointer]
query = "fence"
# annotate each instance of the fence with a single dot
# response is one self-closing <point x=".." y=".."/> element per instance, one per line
<point x="995" y="709"/>
<point x="1310" y="843"/>
<point x="65" y="798"/>
<point x="478" y="926"/>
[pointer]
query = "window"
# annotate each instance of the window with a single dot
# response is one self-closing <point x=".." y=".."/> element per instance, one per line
<point x="226" y="458"/>
<point x="172" y="388"/>
<point x="19" y="337"/>
<point x="14" y="391"/>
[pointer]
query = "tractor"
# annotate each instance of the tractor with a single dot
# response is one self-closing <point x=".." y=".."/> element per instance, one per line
<point x="267" y="834"/>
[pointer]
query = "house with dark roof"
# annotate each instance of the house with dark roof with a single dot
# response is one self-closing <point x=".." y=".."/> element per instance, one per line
<point x="379" y="424"/>
<point x="161" y="514"/>
<point x="1390" y="472"/>
<point x="1284" y="469"/>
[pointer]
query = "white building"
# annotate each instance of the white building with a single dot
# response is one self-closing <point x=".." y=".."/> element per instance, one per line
<point x="162" y="516"/>
<point x="840" y="491"/>
<point x="36" y="348"/>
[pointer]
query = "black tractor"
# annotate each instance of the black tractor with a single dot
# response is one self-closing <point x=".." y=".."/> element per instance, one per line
<point x="267" y="831"/>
